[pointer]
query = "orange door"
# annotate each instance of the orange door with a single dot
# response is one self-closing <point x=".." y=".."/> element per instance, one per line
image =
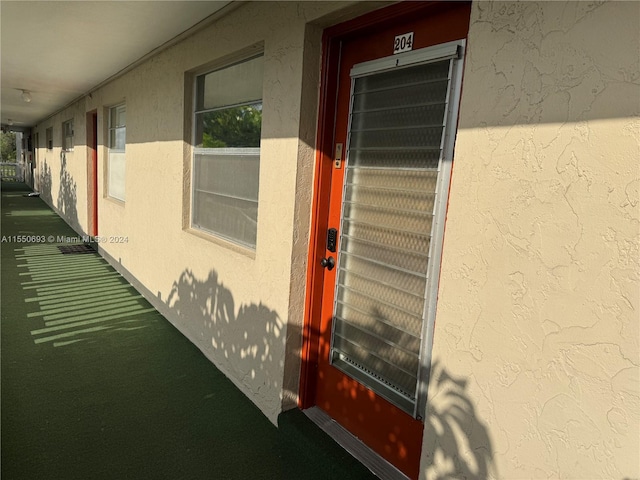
<point x="394" y="98"/>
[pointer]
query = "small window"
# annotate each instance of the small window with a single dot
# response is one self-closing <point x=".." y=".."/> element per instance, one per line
<point x="67" y="136"/>
<point x="116" y="166"/>
<point x="226" y="161"/>
<point x="49" y="135"/>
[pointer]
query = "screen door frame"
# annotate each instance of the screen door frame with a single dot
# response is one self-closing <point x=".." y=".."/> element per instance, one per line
<point x="453" y="51"/>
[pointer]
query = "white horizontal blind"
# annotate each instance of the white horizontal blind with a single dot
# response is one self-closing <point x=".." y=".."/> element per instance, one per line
<point x="396" y="136"/>
<point x="116" y="175"/>
<point x="225" y="198"/>
<point x="232" y="85"/>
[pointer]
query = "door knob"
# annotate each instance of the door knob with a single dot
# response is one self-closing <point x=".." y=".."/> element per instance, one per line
<point x="328" y="263"/>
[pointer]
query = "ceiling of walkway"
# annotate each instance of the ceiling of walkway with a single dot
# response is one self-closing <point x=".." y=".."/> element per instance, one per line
<point x="60" y="50"/>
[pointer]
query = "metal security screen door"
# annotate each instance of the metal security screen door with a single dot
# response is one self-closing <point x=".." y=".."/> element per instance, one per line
<point x="400" y="141"/>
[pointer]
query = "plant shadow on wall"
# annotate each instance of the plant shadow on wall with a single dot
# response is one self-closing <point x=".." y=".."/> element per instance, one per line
<point x="458" y="444"/>
<point x="248" y="342"/>
<point x="67" y="194"/>
<point x="44" y="183"/>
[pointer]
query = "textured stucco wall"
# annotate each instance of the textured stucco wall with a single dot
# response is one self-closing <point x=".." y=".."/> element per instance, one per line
<point x="536" y="336"/>
<point x="233" y="304"/>
<point x="61" y="177"/>
<point x="243" y="309"/>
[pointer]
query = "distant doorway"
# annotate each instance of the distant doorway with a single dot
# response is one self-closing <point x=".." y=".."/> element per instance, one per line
<point x="92" y="172"/>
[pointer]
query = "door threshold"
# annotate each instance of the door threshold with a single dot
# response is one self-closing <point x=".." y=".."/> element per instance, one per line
<point x="370" y="459"/>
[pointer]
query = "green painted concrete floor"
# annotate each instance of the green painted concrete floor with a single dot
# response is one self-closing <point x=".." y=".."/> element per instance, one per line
<point x="97" y="385"/>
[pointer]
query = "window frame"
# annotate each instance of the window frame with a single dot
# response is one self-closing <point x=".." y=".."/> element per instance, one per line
<point x="111" y="148"/>
<point x="67" y="137"/>
<point x="49" y="138"/>
<point x="198" y="91"/>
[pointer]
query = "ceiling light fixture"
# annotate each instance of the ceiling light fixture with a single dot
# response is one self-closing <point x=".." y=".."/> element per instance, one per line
<point x="26" y="95"/>
<point x="9" y="121"/>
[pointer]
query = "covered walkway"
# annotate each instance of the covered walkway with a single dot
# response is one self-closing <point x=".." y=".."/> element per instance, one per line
<point x="97" y="384"/>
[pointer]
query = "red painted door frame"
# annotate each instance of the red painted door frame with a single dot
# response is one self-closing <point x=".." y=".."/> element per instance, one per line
<point x="333" y="40"/>
<point x="92" y="172"/>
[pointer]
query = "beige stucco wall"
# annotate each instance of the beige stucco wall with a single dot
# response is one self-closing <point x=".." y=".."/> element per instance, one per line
<point x="243" y="309"/>
<point x="536" y="340"/>
<point x="233" y="304"/>
<point x="61" y="177"/>
<point x="537" y="320"/>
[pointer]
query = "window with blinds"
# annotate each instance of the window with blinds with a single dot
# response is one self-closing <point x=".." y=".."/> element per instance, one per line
<point x="396" y="137"/>
<point x="226" y="157"/>
<point x="117" y="144"/>
<point x="67" y="136"/>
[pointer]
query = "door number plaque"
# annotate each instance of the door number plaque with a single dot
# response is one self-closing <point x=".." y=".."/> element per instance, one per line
<point x="403" y="43"/>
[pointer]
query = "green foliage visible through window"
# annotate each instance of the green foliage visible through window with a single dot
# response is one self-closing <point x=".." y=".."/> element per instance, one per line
<point x="234" y="127"/>
<point x="8" y="146"/>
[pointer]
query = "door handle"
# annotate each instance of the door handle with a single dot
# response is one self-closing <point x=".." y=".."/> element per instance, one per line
<point x="328" y="263"/>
